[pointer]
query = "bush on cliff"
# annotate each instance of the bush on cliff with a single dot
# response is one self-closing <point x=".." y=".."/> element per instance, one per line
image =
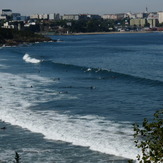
<point x="149" y="138"/>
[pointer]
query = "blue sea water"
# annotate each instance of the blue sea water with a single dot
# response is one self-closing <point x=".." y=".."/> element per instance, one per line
<point x="75" y="100"/>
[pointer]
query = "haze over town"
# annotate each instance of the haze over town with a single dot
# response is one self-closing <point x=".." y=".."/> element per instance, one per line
<point x="81" y="6"/>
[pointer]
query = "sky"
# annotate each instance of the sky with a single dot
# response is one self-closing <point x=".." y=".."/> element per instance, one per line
<point x="29" y="7"/>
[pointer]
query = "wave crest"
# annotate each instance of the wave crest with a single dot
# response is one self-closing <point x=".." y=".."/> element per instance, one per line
<point x="28" y="59"/>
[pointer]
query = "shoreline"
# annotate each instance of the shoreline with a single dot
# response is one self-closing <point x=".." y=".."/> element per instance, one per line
<point x="12" y="42"/>
<point x="24" y="44"/>
<point x="95" y="33"/>
<point x="100" y="33"/>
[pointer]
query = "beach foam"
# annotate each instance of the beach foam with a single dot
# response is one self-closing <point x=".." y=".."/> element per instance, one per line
<point x="94" y="132"/>
<point x="106" y="137"/>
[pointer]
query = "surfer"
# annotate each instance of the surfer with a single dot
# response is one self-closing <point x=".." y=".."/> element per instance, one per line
<point x="3" y="128"/>
<point x="92" y="87"/>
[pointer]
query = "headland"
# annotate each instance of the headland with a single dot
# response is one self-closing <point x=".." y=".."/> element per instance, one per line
<point x="10" y="37"/>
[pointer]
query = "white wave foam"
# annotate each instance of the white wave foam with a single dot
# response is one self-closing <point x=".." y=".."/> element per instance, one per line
<point x="91" y="131"/>
<point x="89" y="69"/>
<point x="106" y="137"/>
<point x="28" y="59"/>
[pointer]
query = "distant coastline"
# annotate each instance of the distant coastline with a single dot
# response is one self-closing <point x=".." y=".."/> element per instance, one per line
<point x="16" y="38"/>
<point x="95" y="33"/>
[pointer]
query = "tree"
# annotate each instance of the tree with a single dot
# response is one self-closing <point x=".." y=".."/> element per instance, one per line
<point x="149" y="139"/>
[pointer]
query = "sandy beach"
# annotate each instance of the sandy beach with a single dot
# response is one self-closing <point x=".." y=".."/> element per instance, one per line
<point x="95" y="33"/>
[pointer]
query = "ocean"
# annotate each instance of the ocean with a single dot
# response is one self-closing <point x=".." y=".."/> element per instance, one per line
<point x="76" y="100"/>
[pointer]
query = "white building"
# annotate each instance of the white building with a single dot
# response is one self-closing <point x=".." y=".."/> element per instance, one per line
<point x="54" y="16"/>
<point x="44" y="16"/>
<point x="160" y="16"/>
<point x="70" y="17"/>
<point x="139" y="15"/>
<point x="34" y="16"/>
<point x="110" y="16"/>
<point x="8" y="25"/>
<point x="3" y="17"/>
<point x="152" y="15"/>
<point x="130" y="15"/>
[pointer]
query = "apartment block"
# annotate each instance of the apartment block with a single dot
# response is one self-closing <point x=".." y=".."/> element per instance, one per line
<point x="6" y="12"/>
<point x="153" y="22"/>
<point x="138" y="22"/>
<point x="110" y="16"/>
<point x="160" y="17"/>
<point x="54" y="16"/>
<point x="70" y="17"/>
<point x="34" y="16"/>
<point x="115" y="16"/>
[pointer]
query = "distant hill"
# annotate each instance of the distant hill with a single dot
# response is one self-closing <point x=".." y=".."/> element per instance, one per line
<point x="10" y="37"/>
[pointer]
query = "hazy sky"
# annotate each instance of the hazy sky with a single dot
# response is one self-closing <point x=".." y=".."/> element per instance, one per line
<point x="27" y="7"/>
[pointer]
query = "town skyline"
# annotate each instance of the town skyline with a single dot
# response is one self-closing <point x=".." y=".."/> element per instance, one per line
<point x="90" y="6"/>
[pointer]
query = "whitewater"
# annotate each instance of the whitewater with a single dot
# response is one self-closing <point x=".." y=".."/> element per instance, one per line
<point x="96" y="131"/>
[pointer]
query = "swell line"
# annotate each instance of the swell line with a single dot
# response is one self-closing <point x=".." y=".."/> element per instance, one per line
<point x="102" y="74"/>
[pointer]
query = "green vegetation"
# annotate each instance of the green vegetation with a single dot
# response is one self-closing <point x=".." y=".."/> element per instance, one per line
<point x="149" y="139"/>
<point x="83" y="25"/>
<point x="14" y="37"/>
<point x="92" y="25"/>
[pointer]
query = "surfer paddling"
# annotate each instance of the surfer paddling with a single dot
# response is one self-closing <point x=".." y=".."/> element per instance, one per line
<point x="3" y="128"/>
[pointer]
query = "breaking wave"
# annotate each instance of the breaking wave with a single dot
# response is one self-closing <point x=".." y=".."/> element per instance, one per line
<point x="28" y="59"/>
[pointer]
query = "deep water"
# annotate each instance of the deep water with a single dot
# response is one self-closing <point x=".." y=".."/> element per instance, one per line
<point x="75" y="100"/>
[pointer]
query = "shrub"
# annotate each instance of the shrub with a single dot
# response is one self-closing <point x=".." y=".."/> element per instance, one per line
<point x="149" y="138"/>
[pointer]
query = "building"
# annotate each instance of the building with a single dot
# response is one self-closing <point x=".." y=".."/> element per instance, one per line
<point x="160" y="16"/>
<point x="43" y="16"/>
<point x="139" y="15"/>
<point x="6" y="12"/>
<point x="91" y="16"/>
<point x="110" y="16"/>
<point x="54" y="17"/>
<point x="16" y="16"/>
<point x="121" y="16"/>
<point x="144" y="22"/>
<point x="34" y="16"/>
<point x="21" y="18"/>
<point x="152" y="19"/>
<point x="138" y="22"/>
<point x="3" y="17"/>
<point x="70" y="17"/>
<point x="19" y="25"/>
<point x="130" y="15"/>
<point x="115" y="16"/>
<point x="152" y="15"/>
<point x="153" y="22"/>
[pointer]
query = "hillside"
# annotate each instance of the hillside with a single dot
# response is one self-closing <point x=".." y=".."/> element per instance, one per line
<point x="10" y="37"/>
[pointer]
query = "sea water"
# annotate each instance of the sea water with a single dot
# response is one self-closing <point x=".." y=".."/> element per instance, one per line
<point x="74" y="101"/>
